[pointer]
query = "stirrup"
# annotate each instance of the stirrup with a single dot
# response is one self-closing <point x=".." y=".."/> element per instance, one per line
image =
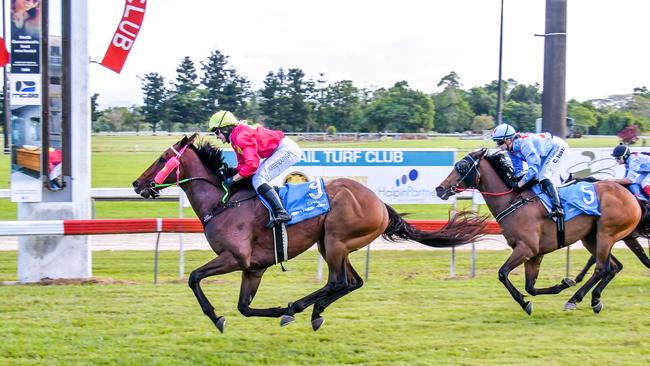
<point x="275" y="221"/>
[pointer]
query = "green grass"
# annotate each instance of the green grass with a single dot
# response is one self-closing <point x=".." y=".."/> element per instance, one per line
<point x="408" y="313"/>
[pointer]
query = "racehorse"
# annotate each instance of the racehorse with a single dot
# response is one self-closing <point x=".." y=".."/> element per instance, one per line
<point x="531" y="233"/>
<point x="234" y="223"/>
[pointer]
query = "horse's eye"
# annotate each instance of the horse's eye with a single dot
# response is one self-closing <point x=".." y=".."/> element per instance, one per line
<point x="162" y="160"/>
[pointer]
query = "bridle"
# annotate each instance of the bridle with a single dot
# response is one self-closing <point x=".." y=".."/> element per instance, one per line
<point x="467" y="168"/>
<point x="174" y="164"/>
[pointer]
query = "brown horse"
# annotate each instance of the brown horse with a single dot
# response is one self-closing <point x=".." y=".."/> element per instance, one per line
<point x="236" y="229"/>
<point x="531" y="233"/>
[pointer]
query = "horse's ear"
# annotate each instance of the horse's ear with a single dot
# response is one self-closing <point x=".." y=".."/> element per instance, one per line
<point x="193" y="137"/>
<point x="482" y="152"/>
<point x="183" y="142"/>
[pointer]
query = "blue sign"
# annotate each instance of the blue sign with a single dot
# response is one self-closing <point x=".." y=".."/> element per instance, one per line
<point x="367" y="157"/>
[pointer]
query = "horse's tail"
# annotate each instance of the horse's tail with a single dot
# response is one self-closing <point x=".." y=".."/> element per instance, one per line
<point x="462" y="228"/>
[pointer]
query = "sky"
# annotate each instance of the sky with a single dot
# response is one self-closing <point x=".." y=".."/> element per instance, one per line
<point x="376" y="43"/>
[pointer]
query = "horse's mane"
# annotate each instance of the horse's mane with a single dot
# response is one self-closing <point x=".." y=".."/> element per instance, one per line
<point x="212" y="157"/>
<point x="503" y="167"/>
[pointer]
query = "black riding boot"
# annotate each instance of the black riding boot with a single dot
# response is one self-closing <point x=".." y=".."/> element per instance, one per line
<point x="550" y="189"/>
<point x="271" y="196"/>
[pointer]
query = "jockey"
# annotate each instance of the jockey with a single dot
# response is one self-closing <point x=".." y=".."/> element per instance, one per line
<point x="542" y="153"/>
<point x="637" y="169"/>
<point x="262" y="154"/>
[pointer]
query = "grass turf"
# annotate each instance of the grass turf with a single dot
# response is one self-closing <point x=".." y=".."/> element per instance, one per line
<point x="408" y="313"/>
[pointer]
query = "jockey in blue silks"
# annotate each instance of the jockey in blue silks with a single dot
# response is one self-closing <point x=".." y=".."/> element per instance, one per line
<point x="637" y="170"/>
<point x="543" y="154"/>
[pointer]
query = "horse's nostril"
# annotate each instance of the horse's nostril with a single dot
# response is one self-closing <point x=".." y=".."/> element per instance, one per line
<point x="136" y="184"/>
<point x="152" y="184"/>
<point x="439" y="190"/>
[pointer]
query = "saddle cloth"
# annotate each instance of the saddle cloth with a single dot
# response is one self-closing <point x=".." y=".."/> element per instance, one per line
<point x="303" y="201"/>
<point x="579" y="198"/>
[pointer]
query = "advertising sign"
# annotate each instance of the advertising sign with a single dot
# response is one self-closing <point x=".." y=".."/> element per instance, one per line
<point x="25" y="101"/>
<point x="395" y="175"/>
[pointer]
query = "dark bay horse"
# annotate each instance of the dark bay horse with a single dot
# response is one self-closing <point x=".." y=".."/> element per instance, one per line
<point x="531" y="233"/>
<point x="236" y="229"/>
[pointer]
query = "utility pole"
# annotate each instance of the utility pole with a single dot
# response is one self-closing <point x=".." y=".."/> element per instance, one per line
<point x="500" y="86"/>
<point x="554" y="93"/>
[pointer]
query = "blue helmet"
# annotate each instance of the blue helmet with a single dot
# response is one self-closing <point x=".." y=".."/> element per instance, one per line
<point x="502" y="132"/>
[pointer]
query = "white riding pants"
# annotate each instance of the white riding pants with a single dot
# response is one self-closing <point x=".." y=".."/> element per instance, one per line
<point x="284" y="156"/>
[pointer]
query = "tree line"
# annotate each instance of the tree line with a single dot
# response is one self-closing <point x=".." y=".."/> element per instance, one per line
<point x="290" y="101"/>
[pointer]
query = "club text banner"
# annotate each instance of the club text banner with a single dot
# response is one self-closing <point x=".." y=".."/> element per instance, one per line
<point x="125" y="35"/>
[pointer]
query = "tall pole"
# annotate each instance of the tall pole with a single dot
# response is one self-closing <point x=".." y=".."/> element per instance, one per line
<point x="554" y="94"/>
<point x="500" y="87"/>
<point x="5" y="94"/>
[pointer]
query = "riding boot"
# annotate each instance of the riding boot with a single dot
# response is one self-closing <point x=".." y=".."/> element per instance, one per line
<point x="550" y="189"/>
<point x="271" y="196"/>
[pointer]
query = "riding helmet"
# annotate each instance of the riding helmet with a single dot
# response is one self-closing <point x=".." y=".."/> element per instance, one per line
<point x="502" y="132"/>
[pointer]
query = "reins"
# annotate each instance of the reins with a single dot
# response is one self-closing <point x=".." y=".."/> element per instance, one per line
<point x="174" y="164"/>
<point x="457" y="190"/>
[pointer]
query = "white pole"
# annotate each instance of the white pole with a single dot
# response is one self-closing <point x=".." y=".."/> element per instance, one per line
<point x="181" y="249"/>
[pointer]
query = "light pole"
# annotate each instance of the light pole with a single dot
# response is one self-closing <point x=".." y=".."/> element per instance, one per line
<point x="500" y="87"/>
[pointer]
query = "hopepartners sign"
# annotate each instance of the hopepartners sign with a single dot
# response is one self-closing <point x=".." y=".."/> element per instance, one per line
<point x="395" y="175"/>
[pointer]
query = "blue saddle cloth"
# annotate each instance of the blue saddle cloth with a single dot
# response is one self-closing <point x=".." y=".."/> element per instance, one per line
<point x="303" y="201"/>
<point x="577" y="199"/>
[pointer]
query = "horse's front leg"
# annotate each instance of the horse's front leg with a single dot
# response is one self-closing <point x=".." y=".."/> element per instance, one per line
<point x="224" y="263"/>
<point x="518" y="256"/>
<point x="532" y="271"/>
<point x="250" y="282"/>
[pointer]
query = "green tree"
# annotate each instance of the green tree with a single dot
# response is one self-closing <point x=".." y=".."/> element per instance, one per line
<point x="453" y="111"/>
<point x="525" y="94"/>
<point x="284" y="101"/>
<point x="342" y="106"/>
<point x="185" y="98"/>
<point x="585" y="116"/>
<point x="400" y="109"/>
<point x="522" y="116"/>
<point x="94" y="112"/>
<point x="225" y="89"/>
<point x="154" y="110"/>
<point x="482" y="122"/>
<point x="481" y="101"/>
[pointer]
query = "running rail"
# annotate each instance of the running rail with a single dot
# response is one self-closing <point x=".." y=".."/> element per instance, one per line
<point x="158" y="225"/>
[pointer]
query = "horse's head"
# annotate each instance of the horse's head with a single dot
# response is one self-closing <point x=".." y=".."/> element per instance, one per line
<point x="159" y="173"/>
<point x="464" y="175"/>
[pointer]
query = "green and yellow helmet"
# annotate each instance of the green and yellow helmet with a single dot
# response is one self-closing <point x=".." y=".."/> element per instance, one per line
<point x="222" y="119"/>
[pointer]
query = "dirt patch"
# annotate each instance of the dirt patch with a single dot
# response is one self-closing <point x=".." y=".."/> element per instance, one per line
<point x="74" y="281"/>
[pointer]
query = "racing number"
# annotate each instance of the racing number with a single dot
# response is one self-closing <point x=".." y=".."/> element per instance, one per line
<point x="588" y="191"/>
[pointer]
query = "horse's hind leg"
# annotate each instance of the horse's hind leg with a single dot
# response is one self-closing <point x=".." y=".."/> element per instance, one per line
<point x="532" y="271"/>
<point x="596" y="305"/>
<point x="638" y="250"/>
<point x="224" y="263"/>
<point x="590" y="262"/>
<point x="250" y="282"/>
<point x="351" y="283"/>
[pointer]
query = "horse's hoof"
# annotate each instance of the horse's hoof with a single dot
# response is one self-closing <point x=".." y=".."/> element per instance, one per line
<point x="569" y="282"/>
<point x="221" y="323"/>
<point x="316" y="323"/>
<point x="570" y="306"/>
<point x="529" y="307"/>
<point x="286" y="320"/>
<point x="598" y="307"/>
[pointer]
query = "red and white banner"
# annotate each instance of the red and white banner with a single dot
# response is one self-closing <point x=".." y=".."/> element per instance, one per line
<point x="125" y="35"/>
